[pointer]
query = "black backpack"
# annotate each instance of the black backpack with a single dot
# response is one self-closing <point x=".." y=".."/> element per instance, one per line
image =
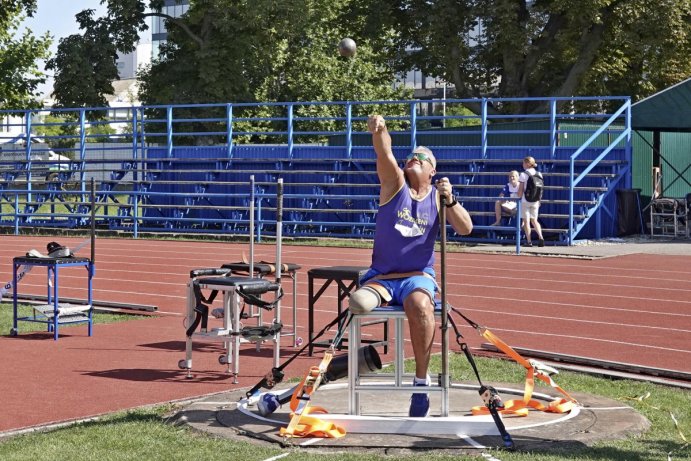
<point x="534" y="187"/>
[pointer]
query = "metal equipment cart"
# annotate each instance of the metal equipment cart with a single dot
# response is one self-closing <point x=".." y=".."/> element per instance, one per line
<point x="53" y="313"/>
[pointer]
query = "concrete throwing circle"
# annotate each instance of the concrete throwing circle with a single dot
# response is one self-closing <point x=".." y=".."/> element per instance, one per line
<point x="384" y="425"/>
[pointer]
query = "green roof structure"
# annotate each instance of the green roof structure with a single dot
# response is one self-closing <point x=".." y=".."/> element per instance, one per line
<point x="667" y="110"/>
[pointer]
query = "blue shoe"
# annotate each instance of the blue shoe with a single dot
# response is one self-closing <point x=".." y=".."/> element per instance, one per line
<point x="419" y="404"/>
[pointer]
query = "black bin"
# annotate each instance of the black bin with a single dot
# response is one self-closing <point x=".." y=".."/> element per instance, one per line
<point x="629" y="216"/>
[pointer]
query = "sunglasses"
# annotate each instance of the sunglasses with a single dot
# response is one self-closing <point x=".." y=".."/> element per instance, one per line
<point x="420" y="156"/>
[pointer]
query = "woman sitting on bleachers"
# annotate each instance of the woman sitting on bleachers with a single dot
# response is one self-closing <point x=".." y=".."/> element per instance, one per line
<point x="507" y="207"/>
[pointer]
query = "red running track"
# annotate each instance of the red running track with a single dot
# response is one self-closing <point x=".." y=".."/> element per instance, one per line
<point x="634" y="309"/>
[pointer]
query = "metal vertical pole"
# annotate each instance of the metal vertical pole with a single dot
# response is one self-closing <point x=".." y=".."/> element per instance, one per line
<point x="251" y="229"/>
<point x="27" y="151"/>
<point x="93" y="220"/>
<point x="554" y="134"/>
<point x="483" y="135"/>
<point x="229" y="130"/>
<point x="349" y="130"/>
<point x="444" y="315"/>
<point x="413" y="126"/>
<point x="92" y="267"/>
<point x="279" y="237"/>
<point x="169" y="131"/>
<point x="290" y="131"/>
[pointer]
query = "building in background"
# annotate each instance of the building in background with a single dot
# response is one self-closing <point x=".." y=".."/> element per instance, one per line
<point x="126" y="87"/>
<point x="128" y="64"/>
<point x="159" y="34"/>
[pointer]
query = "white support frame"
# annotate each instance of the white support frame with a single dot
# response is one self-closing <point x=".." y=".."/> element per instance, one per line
<point x="231" y="331"/>
<point x="365" y="383"/>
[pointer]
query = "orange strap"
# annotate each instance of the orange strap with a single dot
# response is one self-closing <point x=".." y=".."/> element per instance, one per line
<point x="301" y="423"/>
<point x="311" y="426"/>
<point x="505" y="348"/>
<point x="272" y="266"/>
<point x="520" y="408"/>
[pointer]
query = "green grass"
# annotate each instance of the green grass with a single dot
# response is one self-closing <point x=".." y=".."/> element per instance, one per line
<point x="145" y="435"/>
<point x="23" y="310"/>
<point x="59" y="207"/>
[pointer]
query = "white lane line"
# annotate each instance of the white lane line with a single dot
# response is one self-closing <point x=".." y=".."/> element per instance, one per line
<point x="570" y="271"/>
<point x="282" y="455"/>
<point x="565" y="319"/>
<point x="543" y="280"/>
<point x="472" y="442"/>
<point x="579" y="306"/>
<point x="585" y="338"/>
<point x="581" y="294"/>
<point x="311" y="441"/>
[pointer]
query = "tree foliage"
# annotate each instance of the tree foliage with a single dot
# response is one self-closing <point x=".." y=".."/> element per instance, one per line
<point x="226" y="51"/>
<point x="84" y="67"/>
<point x="264" y="50"/>
<point x="19" y="72"/>
<point x="520" y="48"/>
<point x="9" y="9"/>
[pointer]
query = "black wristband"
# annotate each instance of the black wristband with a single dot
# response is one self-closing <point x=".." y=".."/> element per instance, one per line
<point x="453" y="202"/>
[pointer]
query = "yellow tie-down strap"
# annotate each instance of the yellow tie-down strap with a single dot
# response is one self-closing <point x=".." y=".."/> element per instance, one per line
<point x="302" y="422"/>
<point x="521" y="407"/>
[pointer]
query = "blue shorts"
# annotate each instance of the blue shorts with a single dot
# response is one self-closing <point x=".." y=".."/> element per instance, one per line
<point x="399" y="289"/>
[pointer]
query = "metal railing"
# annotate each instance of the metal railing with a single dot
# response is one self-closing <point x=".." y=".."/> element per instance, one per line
<point x="185" y="168"/>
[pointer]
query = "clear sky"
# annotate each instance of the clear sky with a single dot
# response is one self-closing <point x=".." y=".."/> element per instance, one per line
<point x="57" y="17"/>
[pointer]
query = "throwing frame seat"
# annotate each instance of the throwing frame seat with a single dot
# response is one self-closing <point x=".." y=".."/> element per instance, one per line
<point x="231" y="333"/>
<point x="372" y="382"/>
<point x="263" y="269"/>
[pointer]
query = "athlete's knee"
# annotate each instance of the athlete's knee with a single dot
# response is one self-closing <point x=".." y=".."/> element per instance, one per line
<point x="364" y="300"/>
<point x="419" y="302"/>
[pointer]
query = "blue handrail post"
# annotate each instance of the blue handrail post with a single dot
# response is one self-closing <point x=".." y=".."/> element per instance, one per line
<point x="142" y="133"/>
<point x="135" y="176"/>
<point x="573" y="180"/>
<point x="82" y="134"/>
<point x="16" y="214"/>
<point x="629" y="148"/>
<point x="290" y="130"/>
<point x="483" y="119"/>
<point x="229" y="130"/>
<point x="258" y="225"/>
<point x="349" y="130"/>
<point x="572" y="173"/>
<point x="519" y="213"/>
<point x="82" y="149"/>
<point x="27" y="150"/>
<point x="554" y="133"/>
<point x="252" y="214"/>
<point x="169" y="130"/>
<point x="413" y="126"/>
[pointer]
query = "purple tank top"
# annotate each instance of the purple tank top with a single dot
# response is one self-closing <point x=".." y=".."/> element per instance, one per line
<point x="406" y="230"/>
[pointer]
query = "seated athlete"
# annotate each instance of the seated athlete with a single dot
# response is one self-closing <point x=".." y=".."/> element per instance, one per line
<point x="407" y="225"/>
